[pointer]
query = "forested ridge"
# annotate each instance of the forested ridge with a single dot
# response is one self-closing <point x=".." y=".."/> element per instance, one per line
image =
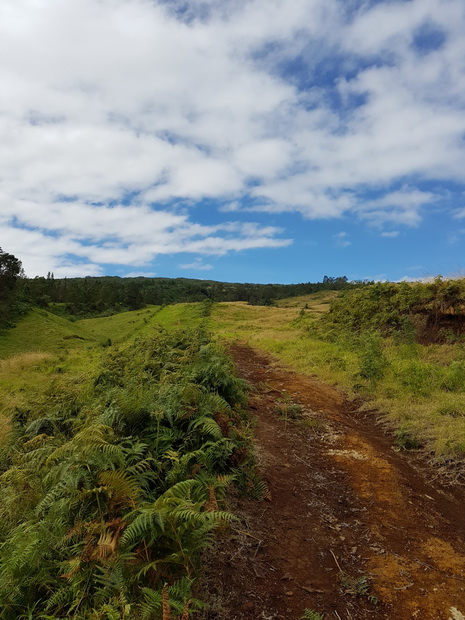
<point x="98" y="295"/>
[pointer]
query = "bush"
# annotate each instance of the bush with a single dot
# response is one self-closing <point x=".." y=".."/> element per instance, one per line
<point x="373" y="362"/>
<point x="453" y="377"/>
<point x="420" y="378"/>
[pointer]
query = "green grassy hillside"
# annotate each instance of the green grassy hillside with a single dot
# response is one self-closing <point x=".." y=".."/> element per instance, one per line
<point x="45" y="332"/>
<point x="118" y="327"/>
<point x="129" y="325"/>
<point x="419" y="388"/>
<point x="315" y="302"/>
<point x="45" y="350"/>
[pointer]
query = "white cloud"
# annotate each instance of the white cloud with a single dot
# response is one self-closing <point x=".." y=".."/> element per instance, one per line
<point x="403" y="207"/>
<point x="197" y="265"/>
<point x="71" y="238"/>
<point x="456" y="236"/>
<point x="230" y="207"/>
<point x="140" y="274"/>
<point x="130" y="101"/>
<point x="341" y="239"/>
<point x="424" y="279"/>
<point x="392" y="234"/>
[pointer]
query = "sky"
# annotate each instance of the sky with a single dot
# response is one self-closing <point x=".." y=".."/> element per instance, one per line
<point x="239" y="140"/>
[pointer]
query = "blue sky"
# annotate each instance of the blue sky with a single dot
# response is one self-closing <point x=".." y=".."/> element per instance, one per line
<point x="248" y="140"/>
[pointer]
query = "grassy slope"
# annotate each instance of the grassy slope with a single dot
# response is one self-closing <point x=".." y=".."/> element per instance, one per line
<point x="118" y="327"/>
<point x="279" y="331"/>
<point x="416" y="391"/>
<point x="315" y="302"/>
<point x="129" y="325"/>
<point x="43" y="331"/>
<point x="44" y="348"/>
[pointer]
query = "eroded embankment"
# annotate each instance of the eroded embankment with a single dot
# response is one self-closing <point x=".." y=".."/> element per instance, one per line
<point x="351" y="528"/>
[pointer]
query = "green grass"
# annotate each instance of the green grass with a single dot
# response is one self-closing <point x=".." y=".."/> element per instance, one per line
<point x="315" y="302"/>
<point x="28" y="379"/>
<point x="42" y="350"/>
<point x="42" y="331"/>
<point x="46" y="350"/>
<point x="129" y="325"/>
<point x="181" y="315"/>
<point x="118" y="327"/>
<point x="420" y="390"/>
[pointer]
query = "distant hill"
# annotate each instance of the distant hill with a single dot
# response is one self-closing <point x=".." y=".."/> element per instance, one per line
<point x="91" y="296"/>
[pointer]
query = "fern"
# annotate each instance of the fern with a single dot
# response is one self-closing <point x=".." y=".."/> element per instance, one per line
<point x="122" y="488"/>
<point x="148" y="524"/>
<point x="208" y="426"/>
<point x="127" y="493"/>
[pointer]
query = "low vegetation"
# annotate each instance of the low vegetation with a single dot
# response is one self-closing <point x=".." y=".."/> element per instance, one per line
<point x="398" y="347"/>
<point x="119" y="435"/>
<point x="112" y="487"/>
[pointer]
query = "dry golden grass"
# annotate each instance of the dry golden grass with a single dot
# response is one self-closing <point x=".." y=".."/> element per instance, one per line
<point x="14" y="371"/>
<point x="22" y="361"/>
<point x="316" y="302"/>
<point x="4" y="427"/>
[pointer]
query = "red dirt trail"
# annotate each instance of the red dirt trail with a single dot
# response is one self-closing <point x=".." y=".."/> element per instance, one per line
<point x="352" y="529"/>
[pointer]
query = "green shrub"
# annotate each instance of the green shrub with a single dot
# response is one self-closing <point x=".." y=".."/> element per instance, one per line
<point x="420" y="378"/>
<point x="373" y="362"/>
<point x="406" y="441"/>
<point x="453" y="377"/>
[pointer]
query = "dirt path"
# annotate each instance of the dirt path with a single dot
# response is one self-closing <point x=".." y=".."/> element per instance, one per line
<point x="351" y="529"/>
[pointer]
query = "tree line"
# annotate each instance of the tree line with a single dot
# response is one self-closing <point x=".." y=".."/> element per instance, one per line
<point x="99" y="296"/>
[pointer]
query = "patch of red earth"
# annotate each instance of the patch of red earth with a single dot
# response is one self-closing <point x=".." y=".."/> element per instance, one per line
<point x="352" y="529"/>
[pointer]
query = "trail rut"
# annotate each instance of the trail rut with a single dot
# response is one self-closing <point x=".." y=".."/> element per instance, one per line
<point x="351" y="528"/>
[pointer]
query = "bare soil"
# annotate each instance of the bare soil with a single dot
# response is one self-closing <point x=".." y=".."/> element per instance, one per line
<point x="351" y="528"/>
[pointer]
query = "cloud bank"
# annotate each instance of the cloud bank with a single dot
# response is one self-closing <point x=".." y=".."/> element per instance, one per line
<point x="121" y="119"/>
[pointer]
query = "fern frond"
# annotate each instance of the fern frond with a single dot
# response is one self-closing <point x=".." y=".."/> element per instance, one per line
<point x="52" y="496"/>
<point x="181" y="489"/>
<point x="220" y="516"/>
<point x="122" y="487"/>
<point x="36" y="441"/>
<point x="148" y="524"/>
<point x="185" y="612"/>
<point x="60" y="600"/>
<point x="152" y="603"/>
<point x="188" y="515"/>
<point x="208" y="426"/>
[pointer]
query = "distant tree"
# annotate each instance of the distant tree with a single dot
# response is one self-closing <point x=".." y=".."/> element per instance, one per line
<point x="10" y="270"/>
<point x="133" y="297"/>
